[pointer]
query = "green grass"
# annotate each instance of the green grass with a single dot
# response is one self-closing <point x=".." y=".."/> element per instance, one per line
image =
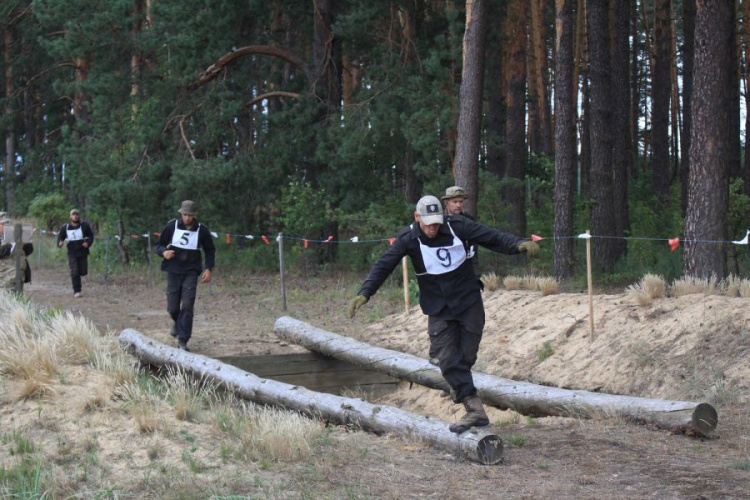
<point x="545" y="351"/>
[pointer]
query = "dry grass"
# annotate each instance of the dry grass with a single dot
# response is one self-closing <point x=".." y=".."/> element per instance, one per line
<point x="512" y="282"/>
<point x="187" y="394"/>
<point x="491" y="281"/>
<point x="142" y="400"/>
<point x="548" y="285"/>
<point x="690" y="284"/>
<point x="529" y="282"/>
<point x="731" y="285"/>
<point x="279" y="434"/>
<point x="79" y="339"/>
<point x="650" y="287"/>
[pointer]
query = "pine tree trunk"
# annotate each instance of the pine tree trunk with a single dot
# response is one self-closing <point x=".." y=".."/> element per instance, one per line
<point x="746" y="45"/>
<point x="565" y="129"/>
<point x="496" y="111"/>
<point x="688" y="23"/>
<point x="732" y="111"/>
<point x="622" y="159"/>
<point x="9" y="168"/>
<point x="603" y="222"/>
<point x="470" y="101"/>
<point x="706" y="219"/>
<point x="515" y="153"/>
<point x="660" y="91"/>
<point x="538" y="98"/>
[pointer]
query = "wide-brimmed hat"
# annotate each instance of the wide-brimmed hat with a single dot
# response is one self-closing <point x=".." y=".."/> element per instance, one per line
<point x="188" y="208"/>
<point x="429" y="209"/>
<point x="455" y="192"/>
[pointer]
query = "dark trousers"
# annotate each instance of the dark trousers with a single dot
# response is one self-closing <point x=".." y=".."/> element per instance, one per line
<point x="181" y="289"/>
<point x="454" y="340"/>
<point x="79" y="266"/>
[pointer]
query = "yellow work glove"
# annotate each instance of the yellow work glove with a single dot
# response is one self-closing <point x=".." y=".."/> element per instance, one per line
<point x="530" y="247"/>
<point x="356" y="303"/>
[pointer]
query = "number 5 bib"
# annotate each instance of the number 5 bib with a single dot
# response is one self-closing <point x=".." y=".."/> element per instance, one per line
<point x="182" y="238"/>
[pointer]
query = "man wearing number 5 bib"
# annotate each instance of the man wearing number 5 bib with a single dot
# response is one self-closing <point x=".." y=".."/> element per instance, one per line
<point x="79" y="237"/>
<point x="449" y="292"/>
<point x="179" y="245"/>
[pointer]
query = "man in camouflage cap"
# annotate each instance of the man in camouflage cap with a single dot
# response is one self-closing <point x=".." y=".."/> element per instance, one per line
<point x="454" y="200"/>
<point x="180" y="245"/>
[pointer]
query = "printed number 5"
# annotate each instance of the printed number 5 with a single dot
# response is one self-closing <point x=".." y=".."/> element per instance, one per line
<point x="184" y="239"/>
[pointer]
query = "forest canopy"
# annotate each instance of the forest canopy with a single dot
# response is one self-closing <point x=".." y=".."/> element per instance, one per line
<point x="327" y="119"/>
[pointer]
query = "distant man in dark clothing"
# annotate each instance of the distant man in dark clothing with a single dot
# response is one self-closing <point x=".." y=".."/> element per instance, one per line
<point x="449" y="293"/>
<point x="179" y="245"/>
<point x="80" y="237"/>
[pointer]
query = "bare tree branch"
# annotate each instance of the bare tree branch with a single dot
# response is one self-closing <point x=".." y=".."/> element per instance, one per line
<point x="275" y="93"/>
<point x="212" y="71"/>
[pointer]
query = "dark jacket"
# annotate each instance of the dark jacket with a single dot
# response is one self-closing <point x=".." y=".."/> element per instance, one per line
<point x="76" y="247"/>
<point x="186" y="261"/>
<point x="457" y="289"/>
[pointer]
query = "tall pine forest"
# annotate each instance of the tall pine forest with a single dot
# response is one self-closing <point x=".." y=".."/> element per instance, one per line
<point x="326" y="120"/>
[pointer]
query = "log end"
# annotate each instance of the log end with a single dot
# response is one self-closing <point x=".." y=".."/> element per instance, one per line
<point x="490" y="450"/>
<point x="705" y="418"/>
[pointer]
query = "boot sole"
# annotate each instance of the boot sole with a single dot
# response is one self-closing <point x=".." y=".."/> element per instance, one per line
<point x="463" y="428"/>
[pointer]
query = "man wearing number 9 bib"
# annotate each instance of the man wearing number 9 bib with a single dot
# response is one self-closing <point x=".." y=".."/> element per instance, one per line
<point x="179" y="245"/>
<point x="449" y="292"/>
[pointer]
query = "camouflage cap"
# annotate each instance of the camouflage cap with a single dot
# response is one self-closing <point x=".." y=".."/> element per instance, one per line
<point x="455" y="192"/>
<point x="188" y="208"/>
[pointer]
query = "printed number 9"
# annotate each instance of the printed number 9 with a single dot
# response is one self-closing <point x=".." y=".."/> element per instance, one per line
<point x="444" y="255"/>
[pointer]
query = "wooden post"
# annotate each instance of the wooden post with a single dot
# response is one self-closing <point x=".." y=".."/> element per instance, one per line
<point x="18" y="256"/>
<point x="406" y="284"/>
<point x="148" y="257"/>
<point x="106" y="259"/>
<point x="591" y="286"/>
<point x="39" y="241"/>
<point x="281" y="271"/>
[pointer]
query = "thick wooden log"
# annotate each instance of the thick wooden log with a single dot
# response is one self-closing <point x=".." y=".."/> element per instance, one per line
<point x="478" y="446"/>
<point x="524" y="397"/>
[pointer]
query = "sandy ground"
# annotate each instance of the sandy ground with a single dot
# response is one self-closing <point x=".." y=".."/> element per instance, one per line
<point x="694" y="347"/>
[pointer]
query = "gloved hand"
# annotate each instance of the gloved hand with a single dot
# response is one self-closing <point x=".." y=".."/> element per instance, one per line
<point x="530" y="247"/>
<point x="356" y="303"/>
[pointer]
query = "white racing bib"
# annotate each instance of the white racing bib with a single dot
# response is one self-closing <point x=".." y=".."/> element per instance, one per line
<point x="182" y="238"/>
<point x="441" y="260"/>
<point x="74" y="234"/>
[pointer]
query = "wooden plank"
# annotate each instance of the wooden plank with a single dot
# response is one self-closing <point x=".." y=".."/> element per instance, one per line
<point x="315" y="372"/>
<point x="288" y="364"/>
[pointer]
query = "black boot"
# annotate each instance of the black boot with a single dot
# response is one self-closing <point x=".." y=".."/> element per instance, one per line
<point x="475" y="416"/>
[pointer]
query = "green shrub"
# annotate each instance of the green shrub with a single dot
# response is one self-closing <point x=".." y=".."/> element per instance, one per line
<point x="49" y="210"/>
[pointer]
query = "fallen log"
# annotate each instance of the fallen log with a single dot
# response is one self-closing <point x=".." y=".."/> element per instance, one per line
<point x="476" y="445"/>
<point x="524" y="397"/>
